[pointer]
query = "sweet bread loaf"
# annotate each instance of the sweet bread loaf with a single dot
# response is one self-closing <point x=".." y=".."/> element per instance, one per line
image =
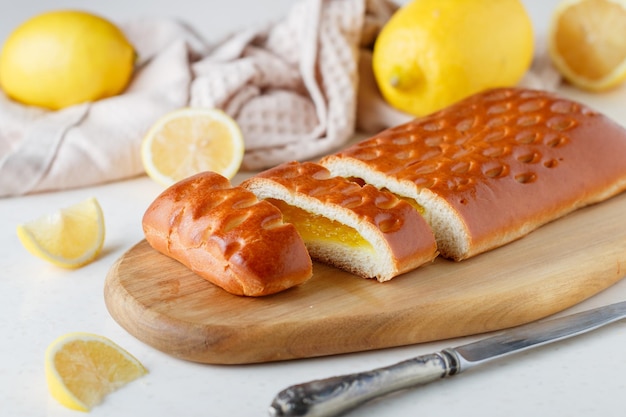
<point x="360" y="229"/>
<point x="495" y="166"/>
<point x="227" y="236"/>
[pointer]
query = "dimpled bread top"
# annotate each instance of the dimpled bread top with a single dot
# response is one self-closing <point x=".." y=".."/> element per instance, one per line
<point x="505" y="161"/>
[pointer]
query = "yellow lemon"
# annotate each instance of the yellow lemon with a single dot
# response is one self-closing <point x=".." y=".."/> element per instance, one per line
<point x="432" y="53"/>
<point x="61" y="58"/>
<point x="82" y="368"/>
<point x="70" y="237"/>
<point x="587" y="42"/>
<point x="192" y="140"/>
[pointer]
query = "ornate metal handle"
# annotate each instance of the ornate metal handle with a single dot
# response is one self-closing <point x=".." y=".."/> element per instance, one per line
<point x="332" y="396"/>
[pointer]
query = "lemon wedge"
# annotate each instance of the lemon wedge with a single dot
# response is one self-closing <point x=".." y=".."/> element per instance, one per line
<point x="70" y="237"/>
<point x="587" y="42"/>
<point x="189" y="141"/>
<point x="82" y="368"/>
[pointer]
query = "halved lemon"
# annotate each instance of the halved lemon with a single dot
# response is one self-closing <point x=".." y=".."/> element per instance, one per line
<point x="587" y="42"/>
<point x="192" y="140"/>
<point x="82" y="368"/>
<point x="69" y="237"/>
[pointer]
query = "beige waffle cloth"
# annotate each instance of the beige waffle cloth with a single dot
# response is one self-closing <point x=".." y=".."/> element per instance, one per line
<point x="293" y="86"/>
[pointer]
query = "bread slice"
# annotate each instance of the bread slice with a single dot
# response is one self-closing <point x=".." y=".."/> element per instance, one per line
<point x="495" y="166"/>
<point x="363" y="230"/>
<point x="227" y="236"/>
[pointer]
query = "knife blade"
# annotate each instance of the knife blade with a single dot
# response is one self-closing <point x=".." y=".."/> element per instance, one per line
<point x="339" y="394"/>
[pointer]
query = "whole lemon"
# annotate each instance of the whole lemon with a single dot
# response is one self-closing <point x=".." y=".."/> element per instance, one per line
<point x="432" y="53"/>
<point x="65" y="57"/>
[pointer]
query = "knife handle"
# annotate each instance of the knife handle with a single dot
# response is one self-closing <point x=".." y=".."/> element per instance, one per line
<point x="335" y="395"/>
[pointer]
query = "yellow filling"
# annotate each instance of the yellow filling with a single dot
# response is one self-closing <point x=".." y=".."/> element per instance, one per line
<point x="316" y="228"/>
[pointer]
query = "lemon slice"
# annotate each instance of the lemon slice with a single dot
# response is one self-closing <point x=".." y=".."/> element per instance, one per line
<point x="189" y="141"/>
<point x="82" y="368"/>
<point x="587" y="42"/>
<point x="70" y="237"/>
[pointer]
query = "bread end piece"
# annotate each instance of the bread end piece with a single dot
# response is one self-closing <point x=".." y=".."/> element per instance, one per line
<point x="227" y="236"/>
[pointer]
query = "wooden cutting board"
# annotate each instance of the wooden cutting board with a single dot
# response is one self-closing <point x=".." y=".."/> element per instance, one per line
<point x="162" y="303"/>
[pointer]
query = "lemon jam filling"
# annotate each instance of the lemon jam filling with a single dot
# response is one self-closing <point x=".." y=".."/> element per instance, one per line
<point x="316" y="228"/>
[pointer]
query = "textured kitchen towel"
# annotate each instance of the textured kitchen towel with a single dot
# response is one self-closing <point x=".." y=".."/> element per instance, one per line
<point x="298" y="88"/>
<point x="292" y="86"/>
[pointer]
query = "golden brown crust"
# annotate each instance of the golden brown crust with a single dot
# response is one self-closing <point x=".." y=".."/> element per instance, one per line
<point x="227" y="236"/>
<point x="405" y="232"/>
<point x="507" y="160"/>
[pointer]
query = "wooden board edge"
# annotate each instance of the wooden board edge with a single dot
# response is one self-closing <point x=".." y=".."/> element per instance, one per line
<point x="227" y="346"/>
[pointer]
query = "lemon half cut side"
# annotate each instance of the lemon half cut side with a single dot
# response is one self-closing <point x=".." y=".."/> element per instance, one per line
<point x="82" y="368"/>
<point x="188" y="141"/>
<point x="69" y="237"/>
<point x="587" y="43"/>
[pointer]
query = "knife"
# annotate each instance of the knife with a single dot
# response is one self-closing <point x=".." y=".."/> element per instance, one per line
<point x="336" y="395"/>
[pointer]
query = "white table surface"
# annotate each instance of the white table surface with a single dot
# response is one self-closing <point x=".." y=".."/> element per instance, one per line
<point x="38" y="302"/>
